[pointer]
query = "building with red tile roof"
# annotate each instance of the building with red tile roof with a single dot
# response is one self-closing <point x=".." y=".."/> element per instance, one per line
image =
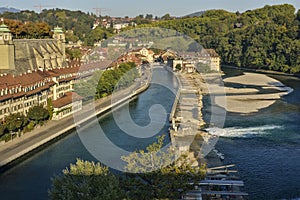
<point x="19" y="93"/>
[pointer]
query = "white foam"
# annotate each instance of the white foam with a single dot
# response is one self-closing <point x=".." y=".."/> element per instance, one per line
<point x="242" y="132"/>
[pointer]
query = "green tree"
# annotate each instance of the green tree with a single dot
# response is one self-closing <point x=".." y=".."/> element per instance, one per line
<point x="15" y="121"/>
<point x="166" y="17"/>
<point x="149" y="16"/>
<point x="2" y="130"/>
<point x="150" y="178"/>
<point x="178" y="66"/>
<point x="50" y="107"/>
<point x="74" y="53"/>
<point x="86" y="181"/>
<point x="38" y="113"/>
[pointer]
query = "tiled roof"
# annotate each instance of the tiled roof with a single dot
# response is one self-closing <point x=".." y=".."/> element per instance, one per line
<point x="67" y="99"/>
<point x="39" y="81"/>
<point x="210" y="52"/>
<point x="8" y="81"/>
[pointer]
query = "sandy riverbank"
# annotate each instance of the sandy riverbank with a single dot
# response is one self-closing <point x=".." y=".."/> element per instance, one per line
<point x="258" y="91"/>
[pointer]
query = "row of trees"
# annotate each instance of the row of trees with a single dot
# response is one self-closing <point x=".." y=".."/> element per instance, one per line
<point x="30" y="30"/>
<point x="18" y="122"/>
<point x="103" y="83"/>
<point x="28" y="24"/>
<point x="89" y="180"/>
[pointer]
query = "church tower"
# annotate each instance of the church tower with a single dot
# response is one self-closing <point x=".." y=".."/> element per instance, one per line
<point x="60" y="36"/>
<point x="7" y="49"/>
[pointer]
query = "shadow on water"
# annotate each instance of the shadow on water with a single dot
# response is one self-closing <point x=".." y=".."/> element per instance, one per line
<point x="31" y="178"/>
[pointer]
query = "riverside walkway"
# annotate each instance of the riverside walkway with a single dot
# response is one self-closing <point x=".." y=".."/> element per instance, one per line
<point x="40" y="136"/>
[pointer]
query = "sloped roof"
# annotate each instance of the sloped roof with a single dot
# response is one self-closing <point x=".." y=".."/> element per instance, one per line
<point x="68" y="98"/>
<point x="210" y="52"/>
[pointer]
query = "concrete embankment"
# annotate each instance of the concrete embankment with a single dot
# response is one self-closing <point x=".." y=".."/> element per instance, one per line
<point x="41" y="136"/>
<point x="186" y="117"/>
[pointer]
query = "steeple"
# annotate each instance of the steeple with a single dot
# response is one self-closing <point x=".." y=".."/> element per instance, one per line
<point x="60" y="36"/>
<point x="7" y="48"/>
<point x="5" y="35"/>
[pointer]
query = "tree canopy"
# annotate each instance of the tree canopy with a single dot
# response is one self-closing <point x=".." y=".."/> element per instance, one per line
<point x="265" y="38"/>
<point x="88" y="180"/>
<point x="38" y="113"/>
<point x="158" y="175"/>
<point x="103" y="83"/>
<point x="15" y="122"/>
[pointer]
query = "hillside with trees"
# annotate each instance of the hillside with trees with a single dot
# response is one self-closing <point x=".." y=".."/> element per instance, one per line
<point x="265" y="38"/>
<point x="77" y="24"/>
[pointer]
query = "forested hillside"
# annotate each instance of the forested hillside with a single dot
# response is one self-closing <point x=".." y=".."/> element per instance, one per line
<point x="78" y="25"/>
<point x="265" y="38"/>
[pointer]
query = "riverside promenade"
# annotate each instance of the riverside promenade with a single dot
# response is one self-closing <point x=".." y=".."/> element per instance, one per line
<point x="40" y="136"/>
<point x="186" y="117"/>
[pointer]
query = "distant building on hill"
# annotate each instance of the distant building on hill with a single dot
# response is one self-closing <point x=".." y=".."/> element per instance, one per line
<point x="211" y="58"/>
<point x="144" y="53"/>
<point x="189" y="60"/>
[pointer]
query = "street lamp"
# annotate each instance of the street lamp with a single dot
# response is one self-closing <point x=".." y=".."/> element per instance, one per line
<point x="15" y="133"/>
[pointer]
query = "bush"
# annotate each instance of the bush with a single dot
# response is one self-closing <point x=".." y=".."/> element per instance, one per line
<point x="29" y="127"/>
<point x="2" y="130"/>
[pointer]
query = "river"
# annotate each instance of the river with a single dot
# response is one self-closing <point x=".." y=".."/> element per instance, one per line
<point x="265" y="146"/>
<point x="31" y="179"/>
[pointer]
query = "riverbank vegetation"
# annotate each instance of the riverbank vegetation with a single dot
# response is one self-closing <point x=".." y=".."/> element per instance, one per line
<point x="103" y="83"/>
<point x="89" y="180"/>
<point x="17" y="123"/>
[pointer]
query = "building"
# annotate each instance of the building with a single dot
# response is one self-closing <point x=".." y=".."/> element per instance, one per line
<point x="185" y="65"/>
<point x="19" y="93"/>
<point x="189" y="60"/>
<point x="211" y="58"/>
<point x="144" y="53"/>
<point x="167" y="55"/>
<point x="22" y="55"/>
<point x="68" y="104"/>
<point x="35" y="72"/>
<point x="7" y="49"/>
<point x="118" y="27"/>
